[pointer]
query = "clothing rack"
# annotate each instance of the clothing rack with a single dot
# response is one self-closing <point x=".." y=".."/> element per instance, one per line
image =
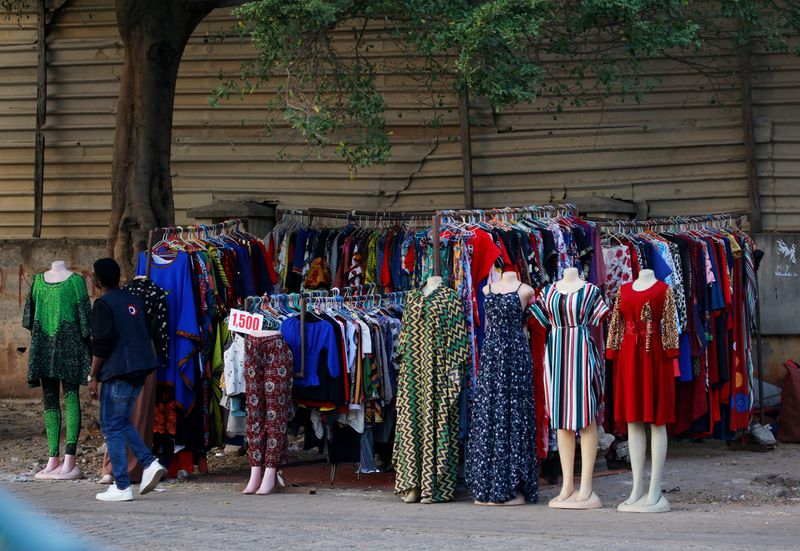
<point x="544" y="211"/>
<point x="350" y="294"/>
<point x="178" y="231"/>
<point x="666" y="223"/>
<point x="719" y="221"/>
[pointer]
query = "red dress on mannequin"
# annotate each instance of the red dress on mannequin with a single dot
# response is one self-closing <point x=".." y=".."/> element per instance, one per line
<point x="643" y="342"/>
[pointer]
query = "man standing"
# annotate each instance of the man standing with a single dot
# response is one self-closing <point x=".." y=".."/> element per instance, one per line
<point x="123" y="357"/>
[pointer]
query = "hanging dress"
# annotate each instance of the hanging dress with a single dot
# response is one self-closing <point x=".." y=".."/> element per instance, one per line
<point x="434" y="353"/>
<point x="57" y="315"/>
<point x="643" y="342"/>
<point x="501" y="450"/>
<point x="574" y="375"/>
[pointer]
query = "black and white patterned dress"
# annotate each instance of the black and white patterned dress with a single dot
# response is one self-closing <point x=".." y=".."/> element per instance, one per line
<point x="501" y="450"/>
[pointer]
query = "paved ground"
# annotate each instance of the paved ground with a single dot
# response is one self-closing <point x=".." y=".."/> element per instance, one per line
<point x="193" y="516"/>
<point x="722" y="499"/>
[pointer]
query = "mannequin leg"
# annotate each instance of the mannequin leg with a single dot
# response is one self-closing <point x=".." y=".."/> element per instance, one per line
<point x="588" y="456"/>
<point x="268" y="484"/>
<point x="256" y="475"/>
<point x="412" y="496"/>
<point x="72" y="407"/>
<point x="52" y="425"/>
<point x="637" y="447"/>
<point x="566" y="452"/>
<point x="658" y="452"/>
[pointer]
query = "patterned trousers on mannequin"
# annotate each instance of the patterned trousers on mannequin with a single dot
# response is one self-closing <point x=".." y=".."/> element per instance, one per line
<point x="268" y="392"/>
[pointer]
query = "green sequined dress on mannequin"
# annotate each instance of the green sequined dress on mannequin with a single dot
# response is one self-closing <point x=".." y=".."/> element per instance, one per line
<point x="57" y="315"/>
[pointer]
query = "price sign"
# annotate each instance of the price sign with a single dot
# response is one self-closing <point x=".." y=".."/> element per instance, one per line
<point x="245" y="322"/>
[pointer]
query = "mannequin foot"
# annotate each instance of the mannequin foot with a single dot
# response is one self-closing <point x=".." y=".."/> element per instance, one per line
<point x="75" y="474"/>
<point x="68" y="465"/>
<point x="107" y="479"/>
<point x="576" y="502"/>
<point x="660" y="506"/>
<point x="634" y="497"/>
<point x="53" y="467"/>
<point x="560" y="498"/>
<point x="255" y="481"/>
<point x="412" y="496"/>
<point x="268" y="484"/>
<point x="426" y="501"/>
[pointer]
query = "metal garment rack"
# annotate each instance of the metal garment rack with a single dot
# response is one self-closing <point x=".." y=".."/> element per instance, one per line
<point x="350" y="293"/>
<point x="178" y="231"/>
<point x="563" y="209"/>
<point x="672" y="223"/>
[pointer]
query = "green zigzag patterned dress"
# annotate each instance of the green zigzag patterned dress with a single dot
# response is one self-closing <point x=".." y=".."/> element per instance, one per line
<point x="57" y="315"/>
<point x="434" y="353"/>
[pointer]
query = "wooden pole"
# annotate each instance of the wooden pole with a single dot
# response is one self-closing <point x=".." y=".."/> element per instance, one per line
<point x="302" y="336"/>
<point x="751" y="160"/>
<point x="466" y="148"/>
<point x="41" y="118"/>
<point x="149" y="254"/>
<point x="437" y="256"/>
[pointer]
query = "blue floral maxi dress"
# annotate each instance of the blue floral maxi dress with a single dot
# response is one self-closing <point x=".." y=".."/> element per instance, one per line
<point x="501" y="449"/>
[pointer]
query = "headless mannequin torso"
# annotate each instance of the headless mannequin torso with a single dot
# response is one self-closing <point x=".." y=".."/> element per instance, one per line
<point x="652" y="501"/>
<point x="57" y="273"/>
<point x="584" y="498"/>
<point x="509" y="283"/>
<point x="433" y="283"/>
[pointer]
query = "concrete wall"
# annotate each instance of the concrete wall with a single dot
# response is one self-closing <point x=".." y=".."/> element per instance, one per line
<point x="20" y="259"/>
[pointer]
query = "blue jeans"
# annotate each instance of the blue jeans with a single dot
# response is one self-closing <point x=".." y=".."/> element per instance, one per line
<point x="116" y="405"/>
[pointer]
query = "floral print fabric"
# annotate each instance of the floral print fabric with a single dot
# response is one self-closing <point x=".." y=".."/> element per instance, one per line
<point x="501" y="450"/>
<point x="268" y="394"/>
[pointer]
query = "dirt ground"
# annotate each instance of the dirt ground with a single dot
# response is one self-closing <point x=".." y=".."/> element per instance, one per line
<point x="705" y="472"/>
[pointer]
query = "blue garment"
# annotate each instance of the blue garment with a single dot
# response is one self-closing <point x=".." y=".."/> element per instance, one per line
<point x="660" y="266"/>
<point x="396" y="264"/>
<point x="717" y="299"/>
<point x="685" y="359"/>
<point x="245" y="287"/>
<point x="117" y="398"/>
<point x="300" y="250"/>
<point x="175" y="278"/>
<point x="319" y="336"/>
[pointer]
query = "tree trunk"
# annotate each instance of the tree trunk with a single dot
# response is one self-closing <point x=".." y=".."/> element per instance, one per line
<point x="155" y="33"/>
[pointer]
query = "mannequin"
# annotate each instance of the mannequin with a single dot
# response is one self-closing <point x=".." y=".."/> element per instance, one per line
<point x="652" y="501"/>
<point x="264" y="466"/>
<point x="55" y="469"/>
<point x="433" y="283"/>
<point x="506" y="359"/>
<point x="433" y="354"/>
<point x="585" y="498"/>
<point x="509" y="282"/>
<point x="57" y="273"/>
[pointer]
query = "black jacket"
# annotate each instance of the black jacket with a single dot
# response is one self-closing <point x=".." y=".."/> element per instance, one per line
<point x="120" y="335"/>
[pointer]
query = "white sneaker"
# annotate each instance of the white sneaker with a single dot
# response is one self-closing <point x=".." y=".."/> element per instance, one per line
<point x="115" y="494"/>
<point x="151" y="476"/>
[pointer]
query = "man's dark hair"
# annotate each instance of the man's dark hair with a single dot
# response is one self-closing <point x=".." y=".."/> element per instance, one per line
<point x="107" y="272"/>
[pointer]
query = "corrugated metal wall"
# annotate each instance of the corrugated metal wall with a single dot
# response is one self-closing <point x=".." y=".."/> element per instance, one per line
<point x="677" y="150"/>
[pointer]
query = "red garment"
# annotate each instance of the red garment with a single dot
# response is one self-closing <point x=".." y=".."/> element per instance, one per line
<point x="386" y="274"/>
<point x="643" y="353"/>
<point x="538" y="335"/>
